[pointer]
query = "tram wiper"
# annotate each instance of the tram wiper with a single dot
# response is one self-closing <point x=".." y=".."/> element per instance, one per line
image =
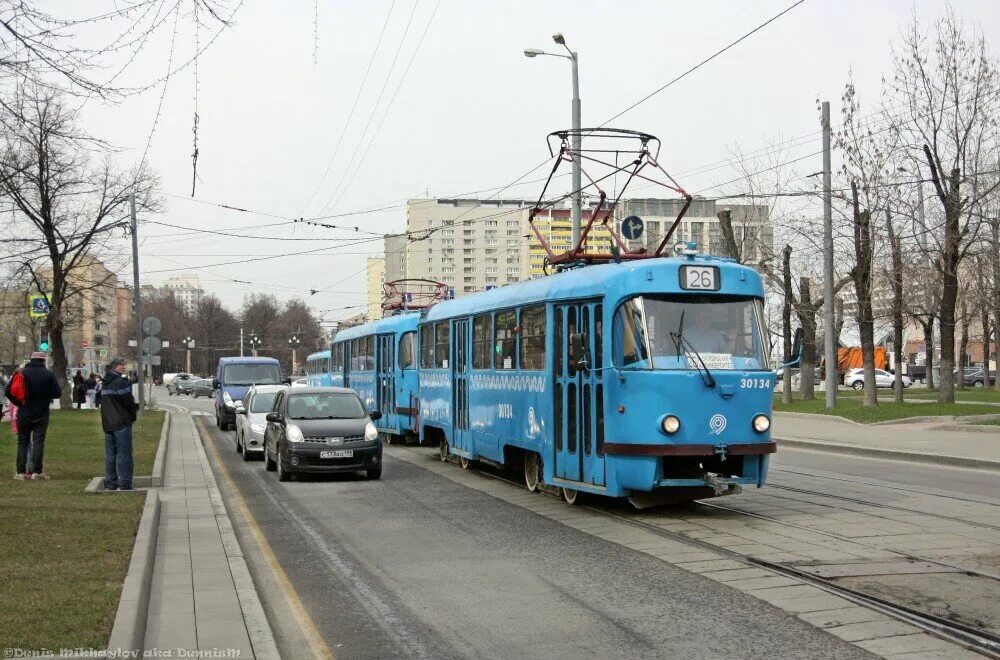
<point x="681" y="342"/>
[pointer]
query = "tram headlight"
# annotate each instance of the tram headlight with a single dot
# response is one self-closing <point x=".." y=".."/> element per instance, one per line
<point x="761" y="423"/>
<point x="670" y="424"/>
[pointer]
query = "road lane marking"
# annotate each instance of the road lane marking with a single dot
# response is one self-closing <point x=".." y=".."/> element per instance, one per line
<point x="306" y="624"/>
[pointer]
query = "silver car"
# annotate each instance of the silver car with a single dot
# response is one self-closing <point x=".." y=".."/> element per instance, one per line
<point x="250" y="419"/>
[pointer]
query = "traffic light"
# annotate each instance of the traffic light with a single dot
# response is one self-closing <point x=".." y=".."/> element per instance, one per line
<point x="43" y="341"/>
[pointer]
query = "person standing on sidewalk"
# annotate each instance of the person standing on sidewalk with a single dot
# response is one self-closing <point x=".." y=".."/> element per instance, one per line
<point x="33" y="416"/>
<point x="118" y="413"/>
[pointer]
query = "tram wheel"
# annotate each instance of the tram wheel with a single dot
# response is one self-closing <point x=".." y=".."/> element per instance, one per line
<point x="464" y="462"/>
<point x="443" y="451"/>
<point x="571" y="497"/>
<point x="387" y="438"/>
<point x="532" y="472"/>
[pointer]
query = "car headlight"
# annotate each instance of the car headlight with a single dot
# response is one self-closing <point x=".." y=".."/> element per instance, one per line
<point x="294" y="433"/>
<point x="257" y="428"/>
<point x="670" y="424"/>
<point x="228" y="400"/>
<point x="761" y="423"/>
<point x="371" y="433"/>
<point x="238" y="402"/>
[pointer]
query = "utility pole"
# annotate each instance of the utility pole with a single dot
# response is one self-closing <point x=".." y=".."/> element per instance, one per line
<point x="137" y="302"/>
<point x="829" y="350"/>
<point x="241" y="341"/>
<point x="294" y="342"/>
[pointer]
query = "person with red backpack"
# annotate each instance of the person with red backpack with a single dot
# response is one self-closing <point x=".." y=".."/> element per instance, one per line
<point x="32" y="390"/>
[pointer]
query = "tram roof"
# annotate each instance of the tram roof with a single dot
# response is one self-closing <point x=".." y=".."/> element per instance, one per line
<point x="593" y="281"/>
<point x="397" y="323"/>
<point x="319" y="355"/>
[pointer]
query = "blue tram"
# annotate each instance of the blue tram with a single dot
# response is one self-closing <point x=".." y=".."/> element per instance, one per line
<point x="647" y="379"/>
<point x="318" y="369"/>
<point x="378" y="360"/>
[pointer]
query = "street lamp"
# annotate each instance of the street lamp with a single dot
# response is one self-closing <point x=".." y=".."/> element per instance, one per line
<point x="188" y="342"/>
<point x="293" y="343"/>
<point x="577" y="174"/>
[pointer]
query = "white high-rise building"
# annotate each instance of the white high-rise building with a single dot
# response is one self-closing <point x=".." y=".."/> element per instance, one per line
<point x="186" y="290"/>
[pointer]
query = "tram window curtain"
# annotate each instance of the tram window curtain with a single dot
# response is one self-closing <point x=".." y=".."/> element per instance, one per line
<point x="533" y="338"/>
<point x="505" y="340"/>
<point x="427" y="347"/>
<point x="441" y="334"/>
<point x="482" y="334"/>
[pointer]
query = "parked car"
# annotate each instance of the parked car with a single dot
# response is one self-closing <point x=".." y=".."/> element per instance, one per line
<point x="977" y="378"/>
<point x="321" y="429"/>
<point x="201" y="387"/>
<point x="301" y="382"/>
<point x="250" y="419"/>
<point x="856" y="378"/>
<point x="181" y="384"/>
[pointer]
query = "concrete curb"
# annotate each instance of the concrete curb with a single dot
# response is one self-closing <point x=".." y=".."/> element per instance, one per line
<point x="890" y="454"/>
<point x="129" y="630"/>
<point x="258" y="627"/>
<point x="903" y="420"/>
<point x="160" y="462"/>
<point x="966" y="427"/>
<point x="816" y="416"/>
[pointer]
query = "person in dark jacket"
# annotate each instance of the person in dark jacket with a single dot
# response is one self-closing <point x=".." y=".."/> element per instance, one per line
<point x="79" y="389"/>
<point x="118" y="413"/>
<point x="33" y="416"/>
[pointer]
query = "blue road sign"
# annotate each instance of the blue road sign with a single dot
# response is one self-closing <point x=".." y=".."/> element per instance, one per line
<point x="632" y="227"/>
<point x="39" y="306"/>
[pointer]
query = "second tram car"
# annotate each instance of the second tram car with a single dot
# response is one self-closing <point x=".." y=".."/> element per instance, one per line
<point x="647" y="379"/>
<point x="318" y="372"/>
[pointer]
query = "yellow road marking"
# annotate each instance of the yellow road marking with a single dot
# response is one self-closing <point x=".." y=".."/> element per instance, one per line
<point x="306" y="624"/>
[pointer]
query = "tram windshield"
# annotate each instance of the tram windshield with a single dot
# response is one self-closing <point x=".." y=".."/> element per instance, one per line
<point x="671" y="332"/>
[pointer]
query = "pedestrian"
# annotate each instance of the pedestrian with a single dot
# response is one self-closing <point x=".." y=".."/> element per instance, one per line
<point x="37" y="387"/>
<point x="3" y="397"/>
<point x="91" y="385"/>
<point x="79" y="389"/>
<point x="118" y="413"/>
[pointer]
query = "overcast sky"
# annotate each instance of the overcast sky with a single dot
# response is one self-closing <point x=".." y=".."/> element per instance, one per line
<point x="471" y="114"/>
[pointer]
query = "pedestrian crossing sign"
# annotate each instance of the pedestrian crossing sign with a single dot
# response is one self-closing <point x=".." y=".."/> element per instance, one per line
<point x="39" y="306"/>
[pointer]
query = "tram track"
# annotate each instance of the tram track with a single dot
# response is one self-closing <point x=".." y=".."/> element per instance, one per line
<point x="970" y="637"/>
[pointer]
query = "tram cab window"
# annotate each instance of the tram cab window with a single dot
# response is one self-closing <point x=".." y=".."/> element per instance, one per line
<point x="408" y="350"/>
<point x="533" y="338"/>
<point x="664" y="332"/>
<point x="441" y="332"/>
<point x="427" y="346"/>
<point x="482" y="340"/>
<point x="505" y="341"/>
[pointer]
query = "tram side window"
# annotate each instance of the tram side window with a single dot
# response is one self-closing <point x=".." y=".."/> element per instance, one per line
<point x="630" y="334"/>
<point x="370" y="353"/>
<point x="505" y="342"/>
<point x="338" y="357"/>
<point x="355" y="354"/>
<point x="533" y="338"/>
<point x="482" y="332"/>
<point x="408" y="350"/>
<point x="427" y="346"/>
<point x="441" y="345"/>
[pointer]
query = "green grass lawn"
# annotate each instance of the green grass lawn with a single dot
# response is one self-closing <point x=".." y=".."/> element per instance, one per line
<point x="65" y="554"/>
<point x="851" y="408"/>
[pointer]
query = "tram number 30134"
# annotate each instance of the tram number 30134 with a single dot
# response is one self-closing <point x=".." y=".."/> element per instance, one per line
<point x="755" y="383"/>
<point x="505" y="411"/>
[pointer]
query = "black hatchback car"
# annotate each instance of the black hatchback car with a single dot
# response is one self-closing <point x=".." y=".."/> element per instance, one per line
<point x="321" y="429"/>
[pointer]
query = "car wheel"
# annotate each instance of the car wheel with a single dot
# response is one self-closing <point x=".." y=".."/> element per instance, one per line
<point x="858" y="385"/>
<point x="978" y="383"/>
<point x="283" y="474"/>
<point x="239" y="443"/>
<point x="464" y="462"/>
<point x="375" y="473"/>
<point x="443" y="450"/>
<point x="532" y="472"/>
<point x="269" y="464"/>
<point x="218" y="420"/>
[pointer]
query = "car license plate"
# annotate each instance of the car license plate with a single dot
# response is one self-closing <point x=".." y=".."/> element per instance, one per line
<point x="337" y="453"/>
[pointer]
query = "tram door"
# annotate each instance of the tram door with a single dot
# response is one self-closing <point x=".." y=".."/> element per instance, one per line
<point x="579" y="393"/>
<point x="460" y="355"/>
<point x="385" y="377"/>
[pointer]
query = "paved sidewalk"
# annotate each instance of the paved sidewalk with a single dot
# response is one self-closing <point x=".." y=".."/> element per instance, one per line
<point x="906" y="441"/>
<point x="202" y="597"/>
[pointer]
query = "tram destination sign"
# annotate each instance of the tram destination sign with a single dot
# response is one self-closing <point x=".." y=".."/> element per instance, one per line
<point x="700" y="278"/>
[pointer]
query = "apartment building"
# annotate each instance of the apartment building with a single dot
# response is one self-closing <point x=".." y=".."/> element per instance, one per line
<point x="555" y="225"/>
<point x="186" y="290"/>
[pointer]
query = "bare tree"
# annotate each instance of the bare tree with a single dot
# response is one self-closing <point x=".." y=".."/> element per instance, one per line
<point x="65" y="208"/>
<point x="951" y="89"/>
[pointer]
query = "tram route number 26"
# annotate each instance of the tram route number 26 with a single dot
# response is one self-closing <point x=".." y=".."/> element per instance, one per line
<point x="702" y="278"/>
<point x="505" y="411"/>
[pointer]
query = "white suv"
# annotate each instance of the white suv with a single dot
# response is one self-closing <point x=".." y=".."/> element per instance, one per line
<point x="856" y="378"/>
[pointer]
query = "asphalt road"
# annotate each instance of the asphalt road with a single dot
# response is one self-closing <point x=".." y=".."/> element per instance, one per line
<point x="415" y="565"/>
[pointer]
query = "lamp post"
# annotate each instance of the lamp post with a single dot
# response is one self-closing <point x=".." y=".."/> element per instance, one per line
<point x="188" y="342"/>
<point x="255" y="343"/>
<point x="293" y="343"/>
<point x="577" y="198"/>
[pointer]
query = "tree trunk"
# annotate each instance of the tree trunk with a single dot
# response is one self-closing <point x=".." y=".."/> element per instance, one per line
<point x="807" y="320"/>
<point x="60" y="364"/>
<point x="963" y="351"/>
<point x="950" y="260"/>
<point x="786" y="323"/>
<point x="897" y="306"/>
<point x="929" y="350"/>
<point x="729" y="244"/>
<point x="986" y="345"/>
<point x="862" y="274"/>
